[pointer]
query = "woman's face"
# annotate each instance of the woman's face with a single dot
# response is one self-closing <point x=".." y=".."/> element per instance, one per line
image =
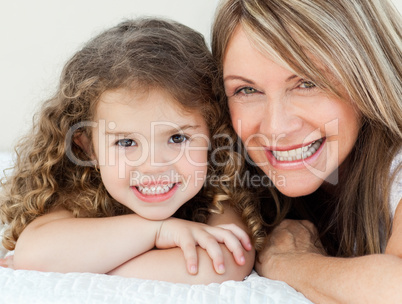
<point x="296" y="133"/>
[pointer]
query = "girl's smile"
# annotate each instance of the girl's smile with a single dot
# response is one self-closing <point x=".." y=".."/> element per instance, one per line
<point x="155" y="193"/>
<point x="155" y="189"/>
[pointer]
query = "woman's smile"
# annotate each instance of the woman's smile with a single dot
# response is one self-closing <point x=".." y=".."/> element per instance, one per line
<point x="296" y="154"/>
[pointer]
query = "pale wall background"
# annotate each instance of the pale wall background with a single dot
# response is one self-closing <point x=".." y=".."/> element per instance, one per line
<point x="38" y="37"/>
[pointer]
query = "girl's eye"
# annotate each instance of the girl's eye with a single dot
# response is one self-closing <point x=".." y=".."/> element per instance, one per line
<point x="178" y="138"/>
<point x="246" y="90"/>
<point x="307" y="84"/>
<point x="126" y="143"/>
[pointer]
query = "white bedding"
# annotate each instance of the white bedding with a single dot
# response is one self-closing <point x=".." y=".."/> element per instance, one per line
<point x="22" y="286"/>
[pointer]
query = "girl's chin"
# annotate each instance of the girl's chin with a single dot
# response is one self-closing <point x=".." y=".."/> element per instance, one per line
<point x="154" y="217"/>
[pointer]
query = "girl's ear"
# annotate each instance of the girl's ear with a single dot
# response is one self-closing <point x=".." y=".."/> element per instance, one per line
<point x="81" y="139"/>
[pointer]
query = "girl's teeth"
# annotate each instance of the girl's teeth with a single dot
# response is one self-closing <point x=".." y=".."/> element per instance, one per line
<point x="155" y="190"/>
<point x="299" y="153"/>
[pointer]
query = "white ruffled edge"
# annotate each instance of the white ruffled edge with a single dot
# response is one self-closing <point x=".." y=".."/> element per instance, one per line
<point x="396" y="187"/>
<point x="3" y="251"/>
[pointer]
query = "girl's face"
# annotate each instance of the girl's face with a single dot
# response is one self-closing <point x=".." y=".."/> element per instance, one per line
<point x="295" y="132"/>
<point x="152" y="155"/>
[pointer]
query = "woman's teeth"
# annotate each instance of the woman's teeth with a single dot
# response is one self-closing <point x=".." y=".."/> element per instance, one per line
<point x="155" y="190"/>
<point x="298" y="154"/>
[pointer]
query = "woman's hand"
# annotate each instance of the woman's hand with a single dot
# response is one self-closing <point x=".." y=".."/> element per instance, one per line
<point x="289" y="240"/>
<point x="187" y="235"/>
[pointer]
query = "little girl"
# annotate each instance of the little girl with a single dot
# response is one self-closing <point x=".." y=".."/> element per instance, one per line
<point x="129" y="138"/>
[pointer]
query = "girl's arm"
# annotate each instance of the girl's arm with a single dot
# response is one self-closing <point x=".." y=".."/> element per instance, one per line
<point x="170" y="265"/>
<point x="7" y="262"/>
<point x="291" y="256"/>
<point x="59" y="242"/>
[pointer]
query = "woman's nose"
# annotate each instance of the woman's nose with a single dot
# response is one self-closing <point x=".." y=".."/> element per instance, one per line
<point x="279" y="118"/>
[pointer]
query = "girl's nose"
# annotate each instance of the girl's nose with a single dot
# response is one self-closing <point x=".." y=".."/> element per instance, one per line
<point x="159" y="159"/>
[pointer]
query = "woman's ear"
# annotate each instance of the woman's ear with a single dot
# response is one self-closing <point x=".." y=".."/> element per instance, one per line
<point x="82" y="140"/>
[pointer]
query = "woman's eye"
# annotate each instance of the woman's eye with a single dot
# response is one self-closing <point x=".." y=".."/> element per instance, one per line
<point x="307" y="85"/>
<point x="126" y="143"/>
<point x="178" y="138"/>
<point x="246" y="90"/>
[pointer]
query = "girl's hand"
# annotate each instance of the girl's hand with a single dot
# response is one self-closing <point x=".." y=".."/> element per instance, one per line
<point x="7" y="262"/>
<point x="187" y="235"/>
<point x="289" y="240"/>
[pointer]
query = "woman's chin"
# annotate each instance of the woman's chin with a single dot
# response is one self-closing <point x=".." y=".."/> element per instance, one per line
<point x="298" y="189"/>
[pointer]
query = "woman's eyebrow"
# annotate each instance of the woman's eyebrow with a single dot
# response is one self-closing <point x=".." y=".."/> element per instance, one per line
<point x="233" y="77"/>
<point x="291" y="78"/>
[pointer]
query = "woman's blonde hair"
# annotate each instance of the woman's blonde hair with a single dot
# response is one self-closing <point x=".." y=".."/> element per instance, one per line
<point x="143" y="54"/>
<point x="359" y="44"/>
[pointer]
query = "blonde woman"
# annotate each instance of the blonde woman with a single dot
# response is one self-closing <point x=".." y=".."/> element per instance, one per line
<point x="314" y="90"/>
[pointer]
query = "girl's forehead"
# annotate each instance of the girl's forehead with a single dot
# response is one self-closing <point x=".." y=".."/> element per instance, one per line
<point x="144" y="100"/>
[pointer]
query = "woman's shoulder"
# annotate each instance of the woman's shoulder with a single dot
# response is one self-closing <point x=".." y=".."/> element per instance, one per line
<point x="396" y="187"/>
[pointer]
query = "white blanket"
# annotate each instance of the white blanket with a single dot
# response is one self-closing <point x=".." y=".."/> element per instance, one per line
<point x="23" y="286"/>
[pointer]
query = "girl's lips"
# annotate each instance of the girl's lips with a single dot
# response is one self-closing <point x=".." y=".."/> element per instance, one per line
<point x="155" y="193"/>
<point x="297" y="156"/>
<point x="157" y="182"/>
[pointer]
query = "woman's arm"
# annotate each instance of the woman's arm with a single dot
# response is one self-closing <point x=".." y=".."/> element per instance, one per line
<point x="291" y="256"/>
<point x="169" y="265"/>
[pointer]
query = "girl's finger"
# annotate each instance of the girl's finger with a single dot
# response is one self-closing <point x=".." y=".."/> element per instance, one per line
<point x="211" y="245"/>
<point x="233" y="244"/>
<point x="240" y="234"/>
<point x="188" y="246"/>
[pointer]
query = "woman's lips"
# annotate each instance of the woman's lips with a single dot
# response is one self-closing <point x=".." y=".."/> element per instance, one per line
<point x="295" y="157"/>
<point x="298" y="153"/>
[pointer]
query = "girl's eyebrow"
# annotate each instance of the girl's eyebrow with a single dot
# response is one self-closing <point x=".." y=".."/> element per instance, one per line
<point x="180" y="128"/>
<point x="117" y="132"/>
<point x="167" y="131"/>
